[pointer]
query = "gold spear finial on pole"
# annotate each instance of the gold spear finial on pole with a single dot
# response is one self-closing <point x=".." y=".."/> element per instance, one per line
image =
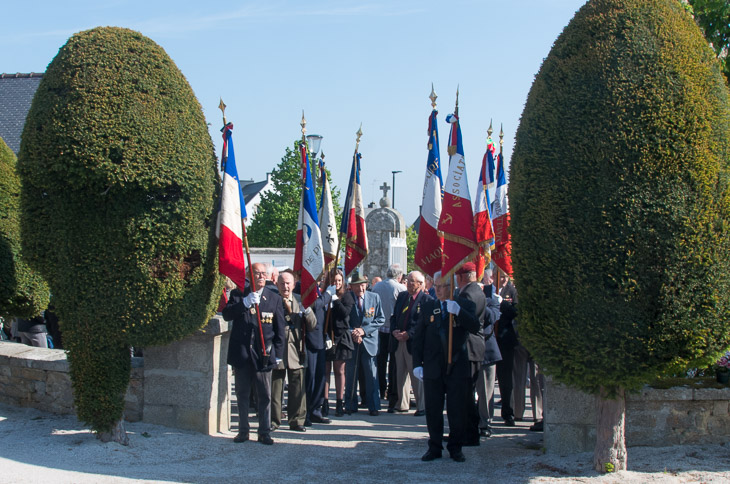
<point x="456" y="109"/>
<point x="433" y="97"/>
<point x="501" y="137"/>
<point x="359" y="135"/>
<point x="222" y="107"/>
<point x="303" y="124"/>
<point x="489" y="131"/>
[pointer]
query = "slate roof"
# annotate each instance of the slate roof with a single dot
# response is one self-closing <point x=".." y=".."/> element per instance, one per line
<point x="16" y="94"/>
<point x="250" y="188"/>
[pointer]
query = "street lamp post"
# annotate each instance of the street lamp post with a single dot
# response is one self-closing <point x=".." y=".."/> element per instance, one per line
<point x="394" y="172"/>
<point x="314" y="141"/>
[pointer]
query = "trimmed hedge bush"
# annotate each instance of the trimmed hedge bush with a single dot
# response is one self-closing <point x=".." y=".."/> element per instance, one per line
<point x="620" y="200"/>
<point x="23" y="292"/>
<point x="119" y="202"/>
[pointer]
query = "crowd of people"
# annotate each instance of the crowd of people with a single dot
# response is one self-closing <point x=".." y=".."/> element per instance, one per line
<point x="41" y="331"/>
<point x="383" y="339"/>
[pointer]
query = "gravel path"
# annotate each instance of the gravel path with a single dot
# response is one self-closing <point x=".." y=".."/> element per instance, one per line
<point x="41" y="447"/>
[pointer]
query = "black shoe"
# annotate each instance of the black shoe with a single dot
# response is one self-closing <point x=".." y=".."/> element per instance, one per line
<point x="339" y="410"/>
<point x="487" y="432"/>
<point x="431" y="455"/>
<point x="419" y="413"/>
<point x="398" y="410"/>
<point x="537" y="427"/>
<point x="374" y="413"/>
<point x="458" y="456"/>
<point x="241" y="437"/>
<point x="307" y="423"/>
<point x="391" y="410"/>
<point x="325" y="408"/>
<point x="318" y="419"/>
<point x="509" y="421"/>
<point x="266" y="440"/>
<point x="298" y="428"/>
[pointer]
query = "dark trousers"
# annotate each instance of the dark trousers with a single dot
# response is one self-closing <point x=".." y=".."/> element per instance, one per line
<point x="472" y="428"/>
<point x="383" y="340"/>
<point x="296" y="407"/>
<point x="314" y="382"/>
<point x="456" y="391"/>
<point x="504" y="377"/>
<point x="247" y="378"/>
<point x="392" y="393"/>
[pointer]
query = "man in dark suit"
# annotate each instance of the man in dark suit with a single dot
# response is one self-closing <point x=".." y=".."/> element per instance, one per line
<point x="402" y="328"/>
<point x="251" y="363"/>
<point x="466" y="280"/>
<point x="314" y="378"/>
<point x="366" y="317"/>
<point x="430" y="361"/>
<point x="488" y="372"/>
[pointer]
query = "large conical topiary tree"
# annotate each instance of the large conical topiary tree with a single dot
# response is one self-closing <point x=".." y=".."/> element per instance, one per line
<point x="23" y="292"/>
<point x="621" y="207"/>
<point x="119" y="201"/>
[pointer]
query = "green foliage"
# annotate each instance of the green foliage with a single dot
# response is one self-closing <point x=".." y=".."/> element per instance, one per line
<point x="713" y="16"/>
<point x="119" y="202"/>
<point x="411" y="242"/>
<point x="23" y="292"/>
<point x="275" y="222"/>
<point x="620" y="201"/>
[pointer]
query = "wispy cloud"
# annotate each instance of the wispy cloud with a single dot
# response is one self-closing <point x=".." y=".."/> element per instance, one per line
<point x="196" y="22"/>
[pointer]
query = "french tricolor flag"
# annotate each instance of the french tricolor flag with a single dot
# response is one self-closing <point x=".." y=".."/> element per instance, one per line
<point x="308" y="256"/>
<point x="482" y="219"/>
<point x="353" y="220"/>
<point x="502" y="255"/>
<point x="428" y="247"/>
<point x="232" y="212"/>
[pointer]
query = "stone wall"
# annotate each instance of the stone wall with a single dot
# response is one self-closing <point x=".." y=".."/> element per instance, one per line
<point x="39" y="378"/>
<point x="654" y="417"/>
<point x="186" y="382"/>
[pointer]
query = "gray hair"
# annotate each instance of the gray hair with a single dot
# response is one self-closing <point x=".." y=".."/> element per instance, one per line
<point x="394" y="271"/>
<point x="418" y="276"/>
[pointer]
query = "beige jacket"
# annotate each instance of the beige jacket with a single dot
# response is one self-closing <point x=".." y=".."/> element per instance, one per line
<point x="294" y="356"/>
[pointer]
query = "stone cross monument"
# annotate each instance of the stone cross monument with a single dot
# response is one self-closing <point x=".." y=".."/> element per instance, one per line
<point x="383" y="224"/>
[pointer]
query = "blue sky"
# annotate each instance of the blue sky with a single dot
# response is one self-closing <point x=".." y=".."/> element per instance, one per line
<point x="342" y="62"/>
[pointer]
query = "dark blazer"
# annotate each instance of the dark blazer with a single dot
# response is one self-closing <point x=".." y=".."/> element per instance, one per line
<point x="430" y="351"/>
<point x="339" y="326"/>
<point x="473" y="292"/>
<point x="397" y="320"/>
<point x="506" y="334"/>
<point x="491" y="316"/>
<point x="245" y="343"/>
<point x="315" y="337"/>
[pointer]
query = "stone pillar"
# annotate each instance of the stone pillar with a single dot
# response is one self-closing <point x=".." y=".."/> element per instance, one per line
<point x="186" y="383"/>
<point x="381" y="223"/>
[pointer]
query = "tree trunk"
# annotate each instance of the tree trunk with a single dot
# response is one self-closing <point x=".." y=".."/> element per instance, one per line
<point x="610" y="452"/>
<point x="117" y="434"/>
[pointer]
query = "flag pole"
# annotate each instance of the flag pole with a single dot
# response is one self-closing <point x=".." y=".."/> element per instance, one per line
<point x="352" y="183"/>
<point x="451" y="296"/>
<point x="222" y="107"/>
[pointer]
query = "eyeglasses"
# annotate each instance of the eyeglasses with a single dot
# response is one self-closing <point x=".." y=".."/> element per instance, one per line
<point x="259" y="274"/>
